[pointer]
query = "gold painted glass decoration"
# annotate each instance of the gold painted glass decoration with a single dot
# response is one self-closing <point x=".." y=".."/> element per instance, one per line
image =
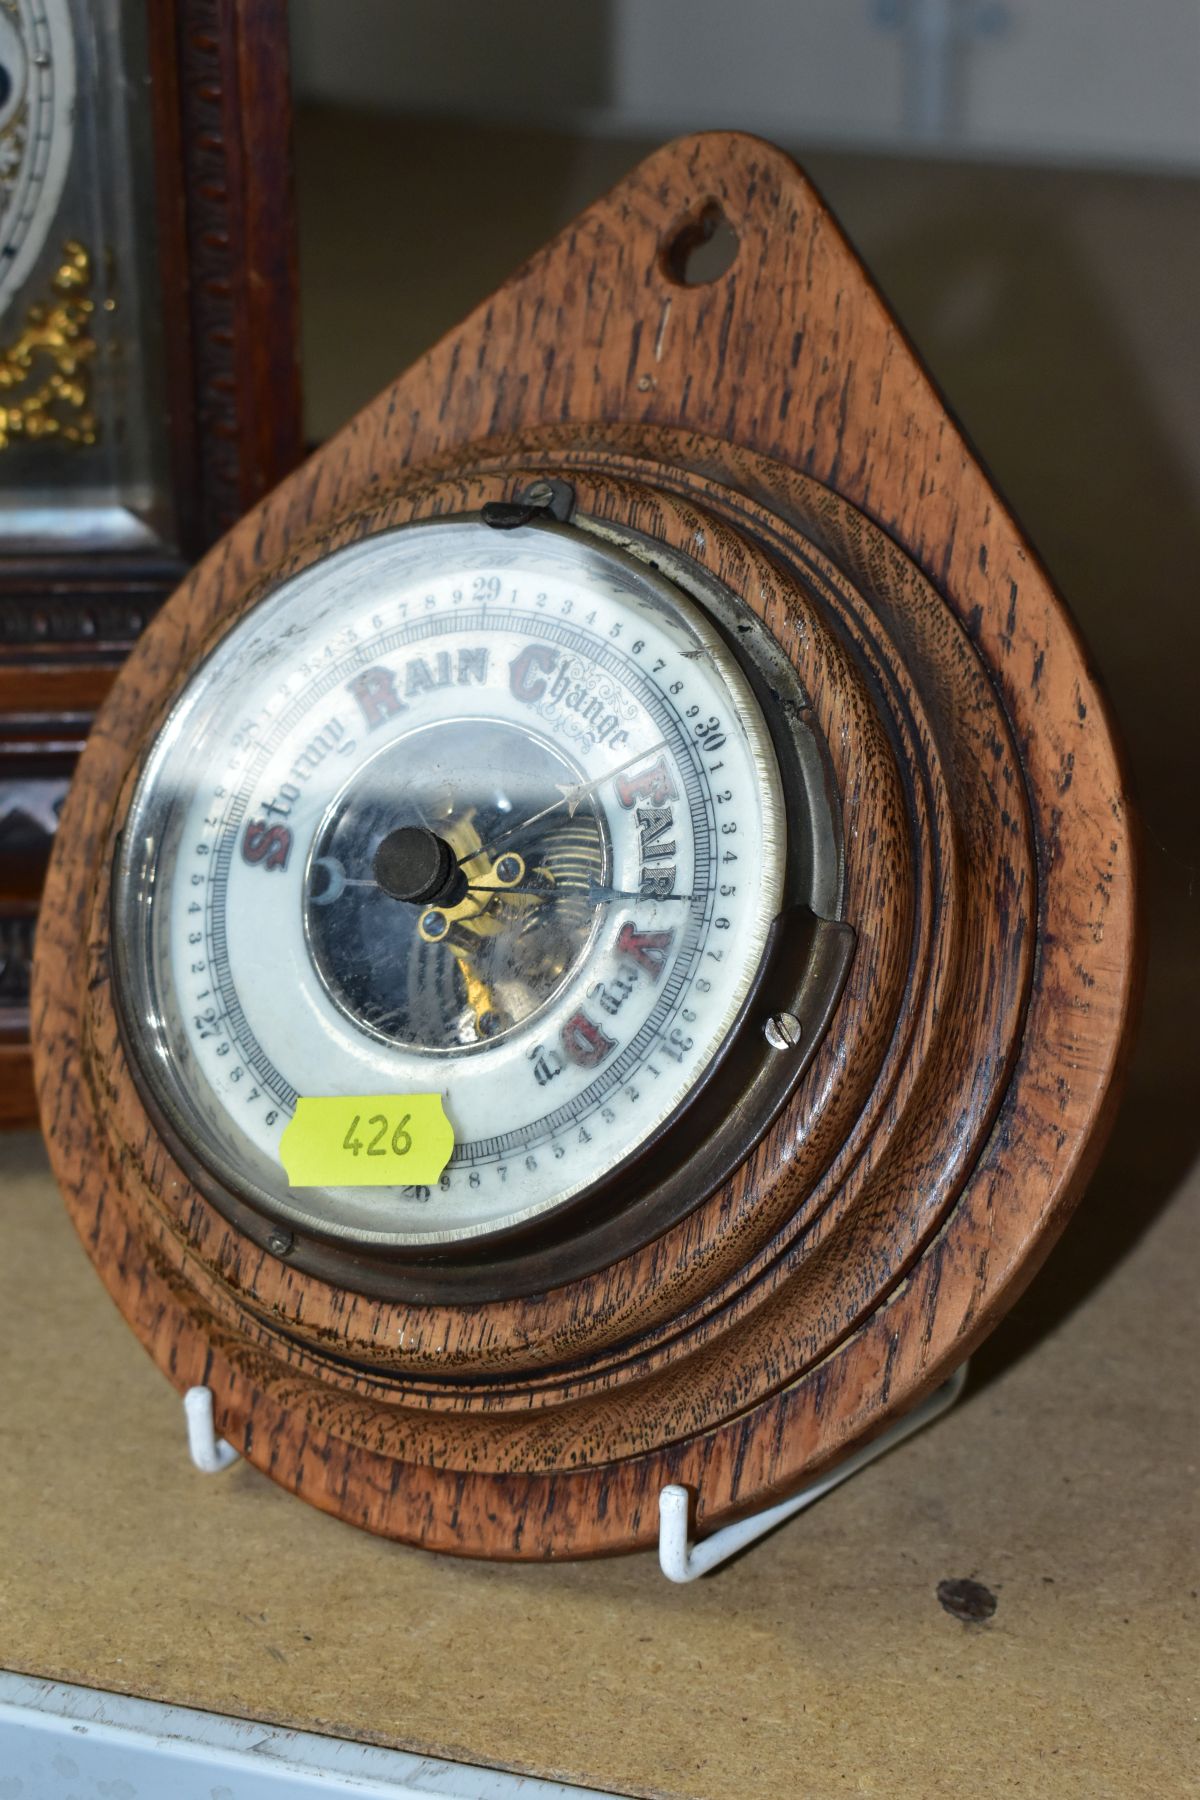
<point x="45" y="374"/>
<point x="82" y="360"/>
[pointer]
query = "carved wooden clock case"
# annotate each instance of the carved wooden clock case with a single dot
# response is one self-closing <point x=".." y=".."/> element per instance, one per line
<point x="901" y="839"/>
<point x="148" y="369"/>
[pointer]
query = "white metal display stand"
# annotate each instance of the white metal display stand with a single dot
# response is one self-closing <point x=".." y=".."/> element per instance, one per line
<point x="681" y="1561"/>
<point x="678" y="1559"/>
<point x="210" y="1453"/>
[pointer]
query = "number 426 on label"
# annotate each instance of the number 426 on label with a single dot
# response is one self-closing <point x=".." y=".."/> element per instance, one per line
<point x="366" y="1140"/>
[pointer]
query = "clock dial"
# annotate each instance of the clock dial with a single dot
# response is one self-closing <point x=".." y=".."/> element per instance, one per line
<point x="488" y="814"/>
<point x="37" y="100"/>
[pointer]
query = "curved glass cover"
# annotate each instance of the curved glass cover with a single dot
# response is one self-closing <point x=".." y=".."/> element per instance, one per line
<point x="492" y="815"/>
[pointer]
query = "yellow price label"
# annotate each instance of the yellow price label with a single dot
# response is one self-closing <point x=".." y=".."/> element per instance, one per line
<point x="366" y="1140"/>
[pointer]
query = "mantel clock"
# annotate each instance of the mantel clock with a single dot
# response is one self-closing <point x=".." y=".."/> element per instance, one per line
<point x="148" y="384"/>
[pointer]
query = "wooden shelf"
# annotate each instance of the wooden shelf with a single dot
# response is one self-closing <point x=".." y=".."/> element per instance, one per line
<point x="819" y="1663"/>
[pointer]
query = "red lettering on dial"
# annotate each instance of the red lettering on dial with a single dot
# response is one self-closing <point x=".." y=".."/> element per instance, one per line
<point x="523" y="678"/>
<point x="649" y="949"/>
<point x="269" y="845"/>
<point x="375" y="691"/>
<point x="653" y="784"/>
<point x="584" y="1042"/>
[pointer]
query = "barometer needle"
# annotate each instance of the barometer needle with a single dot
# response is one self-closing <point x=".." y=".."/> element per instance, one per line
<point x="598" y="895"/>
<point x="571" y="796"/>
<point x="594" y="893"/>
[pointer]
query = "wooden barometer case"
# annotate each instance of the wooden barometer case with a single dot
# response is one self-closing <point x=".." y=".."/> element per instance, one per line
<point x="593" y="940"/>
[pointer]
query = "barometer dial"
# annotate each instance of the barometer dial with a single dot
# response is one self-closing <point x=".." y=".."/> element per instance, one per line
<point x="488" y="814"/>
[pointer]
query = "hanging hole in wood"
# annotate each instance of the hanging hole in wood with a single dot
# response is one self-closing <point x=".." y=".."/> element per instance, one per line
<point x="702" y="249"/>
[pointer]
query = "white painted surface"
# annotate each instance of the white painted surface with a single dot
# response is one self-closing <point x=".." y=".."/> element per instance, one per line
<point x="210" y="1453"/>
<point x="822" y="68"/>
<point x="1115" y="81"/>
<point x="70" y="1743"/>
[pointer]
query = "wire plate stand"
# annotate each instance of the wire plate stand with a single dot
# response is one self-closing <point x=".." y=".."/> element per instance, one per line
<point x="679" y="1559"/>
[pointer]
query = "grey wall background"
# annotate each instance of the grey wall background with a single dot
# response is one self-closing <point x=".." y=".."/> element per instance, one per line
<point x="1101" y="81"/>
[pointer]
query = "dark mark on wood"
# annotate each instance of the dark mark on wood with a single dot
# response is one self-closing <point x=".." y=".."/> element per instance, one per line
<point x="967" y="1600"/>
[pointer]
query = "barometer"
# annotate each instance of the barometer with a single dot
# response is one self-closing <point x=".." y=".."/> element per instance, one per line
<point x="592" y="942"/>
<point x="486" y="808"/>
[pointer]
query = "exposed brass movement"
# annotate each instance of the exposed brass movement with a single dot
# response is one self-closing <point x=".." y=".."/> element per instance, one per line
<point x="542" y="906"/>
<point x="477" y="913"/>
